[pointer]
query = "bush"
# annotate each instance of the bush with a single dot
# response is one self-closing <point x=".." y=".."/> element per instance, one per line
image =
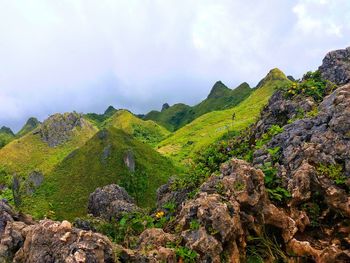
<point x="312" y="85"/>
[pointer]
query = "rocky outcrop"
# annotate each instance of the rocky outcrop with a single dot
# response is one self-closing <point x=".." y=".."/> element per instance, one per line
<point x="110" y="201"/>
<point x="58" y="128"/>
<point x="51" y="241"/>
<point x="151" y="247"/>
<point x="34" y="180"/>
<point x="336" y="66"/>
<point x="166" y="194"/>
<point x="24" y="240"/>
<point x="280" y="110"/>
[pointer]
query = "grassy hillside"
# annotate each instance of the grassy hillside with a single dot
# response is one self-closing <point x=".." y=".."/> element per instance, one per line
<point x="6" y="136"/>
<point x="176" y="116"/>
<point x="211" y="126"/>
<point x="100" y="162"/>
<point x="31" y="124"/>
<point x="99" y="119"/>
<point x="220" y="97"/>
<point x="145" y="131"/>
<point x="30" y="152"/>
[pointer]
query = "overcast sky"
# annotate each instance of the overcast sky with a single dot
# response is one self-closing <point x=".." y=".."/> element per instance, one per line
<point x="83" y="55"/>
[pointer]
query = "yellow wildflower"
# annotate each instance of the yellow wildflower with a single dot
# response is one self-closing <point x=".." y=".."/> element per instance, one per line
<point x="159" y="214"/>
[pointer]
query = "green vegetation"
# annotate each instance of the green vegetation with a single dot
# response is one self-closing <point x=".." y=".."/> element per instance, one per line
<point x="220" y="98"/>
<point x="210" y="127"/>
<point x="99" y="162"/>
<point x="99" y="119"/>
<point x="332" y="171"/>
<point x="31" y="124"/>
<point x="29" y="153"/>
<point x="276" y="192"/>
<point x="312" y="85"/>
<point x="176" y="116"/>
<point x="145" y="131"/>
<point x="6" y="136"/>
<point x="265" y="248"/>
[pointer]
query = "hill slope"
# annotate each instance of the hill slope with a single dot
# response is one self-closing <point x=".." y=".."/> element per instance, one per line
<point x="211" y="126"/>
<point x="31" y="124"/>
<point x="6" y="136"/>
<point x="220" y="97"/>
<point x="145" y="131"/>
<point x="100" y="162"/>
<point x="32" y="153"/>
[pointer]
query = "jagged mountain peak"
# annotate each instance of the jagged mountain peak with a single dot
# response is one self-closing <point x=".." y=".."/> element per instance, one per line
<point x="110" y="110"/>
<point x="218" y="90"/>
<point x="274" y="74"/>
<point x="31" y="124"/>
<point x="165" y="106"/>
<point x="6" y="130"/>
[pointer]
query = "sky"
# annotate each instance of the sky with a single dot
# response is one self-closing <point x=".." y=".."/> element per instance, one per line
<point x="84" y="55"/>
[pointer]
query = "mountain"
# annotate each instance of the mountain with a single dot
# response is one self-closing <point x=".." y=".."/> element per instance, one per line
<point x="98" y="119"/>
<point x="269" y="181"/>
<point x="6" y="136"/>
<point x="219" y="98"/>
<point x="31" y="124"/>
<point x="173" y="117"/>
<point x="146" y="131"/>
<point x="49" y="144"/>
<point x="100" y="161"/>
<point x="211" y="126"/>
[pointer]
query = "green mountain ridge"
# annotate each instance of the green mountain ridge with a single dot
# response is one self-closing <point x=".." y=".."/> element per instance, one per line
<point x="219" y="98"/>
<point x="31" y="124"/>
<point x="208" y="128"/>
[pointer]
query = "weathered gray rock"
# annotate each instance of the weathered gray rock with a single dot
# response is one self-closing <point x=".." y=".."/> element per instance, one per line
<point x="110" y="202"/>
<point x="34" y="180"/>
<point x="129" y="161"/>
<point x="336" y="66"/>
<point x="166" y="194"/>
<point x="58" y="128"/>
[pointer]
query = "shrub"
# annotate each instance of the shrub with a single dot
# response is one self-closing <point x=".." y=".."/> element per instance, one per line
<point x="332" y="171"/>
<point x="312" y="85"/>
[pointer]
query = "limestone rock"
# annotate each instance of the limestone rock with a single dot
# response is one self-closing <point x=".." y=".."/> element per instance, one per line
<point x="110" y="202"/>
<point x="336" y="66"/>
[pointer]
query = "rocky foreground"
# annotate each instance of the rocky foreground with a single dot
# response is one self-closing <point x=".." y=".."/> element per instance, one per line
<point x="222" y="220"/>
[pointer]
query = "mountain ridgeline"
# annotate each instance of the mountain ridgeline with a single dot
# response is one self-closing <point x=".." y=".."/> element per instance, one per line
<point x="247" y="175"/>
<point x="219" y="98"/>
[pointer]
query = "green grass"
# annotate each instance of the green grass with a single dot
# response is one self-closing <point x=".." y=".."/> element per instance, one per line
<point x="5" y="139"/>
<point x="172" y="118"/>
<point x="99" y="119"/>
<point x="145" y="131"/>
<point x="30" y="152"/>
<point x="65" y="191"/>
<point x="210" y="127"/>
<point x="219" y="98"/>
<point x="30" y="125"/>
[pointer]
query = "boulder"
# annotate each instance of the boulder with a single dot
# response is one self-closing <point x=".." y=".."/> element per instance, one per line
<point x="110" y="201"/>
